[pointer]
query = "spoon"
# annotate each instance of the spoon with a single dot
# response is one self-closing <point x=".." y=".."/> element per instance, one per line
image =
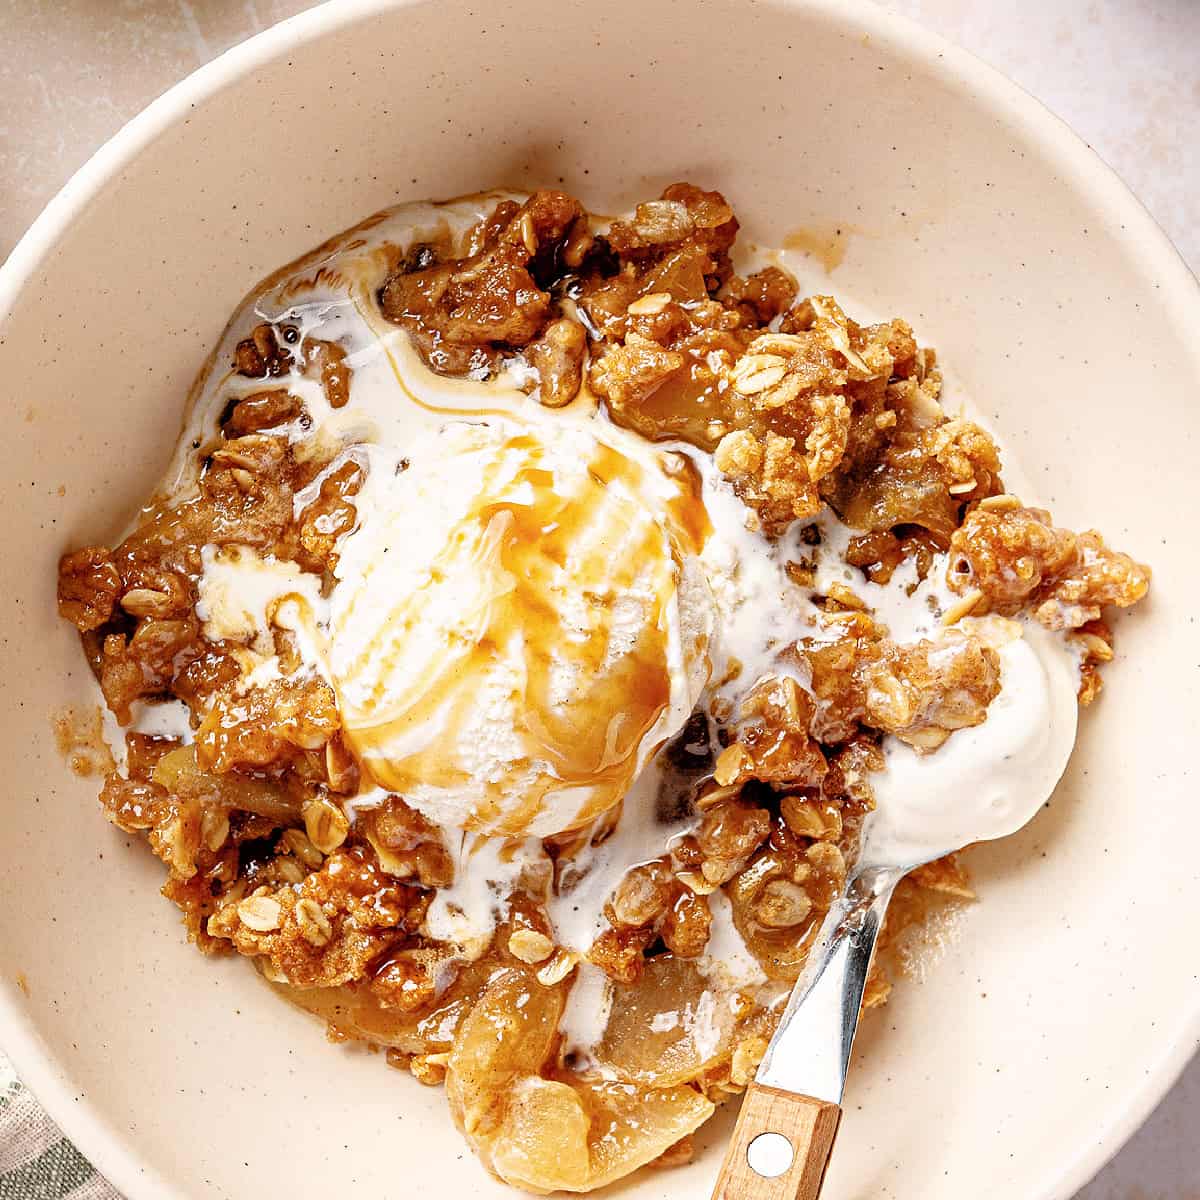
<point x="983" y="783"/>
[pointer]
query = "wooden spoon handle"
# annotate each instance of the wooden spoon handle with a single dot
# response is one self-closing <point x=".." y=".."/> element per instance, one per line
<point x="780" y="1147"/>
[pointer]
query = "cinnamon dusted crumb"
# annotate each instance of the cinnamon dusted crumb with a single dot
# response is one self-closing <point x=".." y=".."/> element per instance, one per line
<point x="261" y="411"/>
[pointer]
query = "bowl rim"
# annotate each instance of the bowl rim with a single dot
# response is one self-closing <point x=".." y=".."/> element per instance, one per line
<point x="33" y="1059"/>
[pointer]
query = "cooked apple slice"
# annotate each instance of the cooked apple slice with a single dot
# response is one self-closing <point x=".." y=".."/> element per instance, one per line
<point x="542" y="1144"/>
<point x="575" y="1133"/>
<point x="507" y="1035"/>
<point x="355" y="1011"/>
<point x="179" y="773"/>
<point x="547" y="1130"/>
<point x="669" y="1027"/>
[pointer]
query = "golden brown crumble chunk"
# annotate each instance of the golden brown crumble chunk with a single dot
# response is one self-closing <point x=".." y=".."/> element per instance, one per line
<point x="651" y="902"/>
<point x="920" y="693"/>
<point x="818" y="410"/>
<point x="460" y="312"/>
<point x="684" y="215"/>
<point x="88" y="587"/>
<point x="329" y="927"/>
<point x="558" y="357"/>
<point x="407" y="844"/>
<point x="261" y="410"/>
<point x="1017" y="560"/>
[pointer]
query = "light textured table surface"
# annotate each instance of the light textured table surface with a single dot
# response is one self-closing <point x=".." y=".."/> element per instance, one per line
<point x="1125" y="74"/>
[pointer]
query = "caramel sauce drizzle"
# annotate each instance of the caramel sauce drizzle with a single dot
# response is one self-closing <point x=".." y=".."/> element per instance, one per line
<point x="530" y="536"/>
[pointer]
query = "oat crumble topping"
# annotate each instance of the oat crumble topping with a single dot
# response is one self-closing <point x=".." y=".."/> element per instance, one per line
<point x="804" y="411"/>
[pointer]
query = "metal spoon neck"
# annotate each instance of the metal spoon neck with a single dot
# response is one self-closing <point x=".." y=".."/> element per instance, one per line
<point x="802" y="1056"/>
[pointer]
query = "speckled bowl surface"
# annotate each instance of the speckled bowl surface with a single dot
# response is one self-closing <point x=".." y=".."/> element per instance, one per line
<point x="1065" y="1002"/>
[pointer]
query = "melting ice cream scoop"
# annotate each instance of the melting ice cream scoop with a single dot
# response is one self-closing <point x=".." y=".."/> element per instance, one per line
<point x="520" y="621"/>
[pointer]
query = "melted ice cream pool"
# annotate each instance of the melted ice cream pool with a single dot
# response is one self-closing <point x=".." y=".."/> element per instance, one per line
<point x="979" y="784"/>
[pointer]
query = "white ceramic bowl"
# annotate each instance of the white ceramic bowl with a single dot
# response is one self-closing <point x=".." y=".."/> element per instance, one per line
<point x="1069" y="1001"/>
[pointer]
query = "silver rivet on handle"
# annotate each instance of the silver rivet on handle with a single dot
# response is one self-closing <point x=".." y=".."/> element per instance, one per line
<point x="770" y="1155"/>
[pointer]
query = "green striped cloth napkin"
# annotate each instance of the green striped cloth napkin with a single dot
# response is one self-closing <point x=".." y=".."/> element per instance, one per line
<point x="36" y="1161"/>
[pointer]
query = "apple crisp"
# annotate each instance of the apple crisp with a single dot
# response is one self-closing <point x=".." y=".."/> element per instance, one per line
<point x="826" y="440"/>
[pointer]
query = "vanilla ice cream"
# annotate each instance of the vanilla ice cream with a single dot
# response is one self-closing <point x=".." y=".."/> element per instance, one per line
<point x="519" y="622"/>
